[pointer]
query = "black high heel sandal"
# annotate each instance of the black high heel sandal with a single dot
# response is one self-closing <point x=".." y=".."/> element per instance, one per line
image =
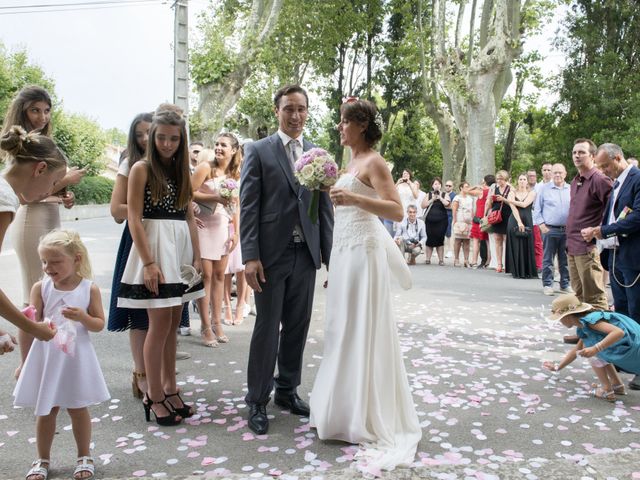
<point x="185" y="411"/>
<point x="168" y="420"/>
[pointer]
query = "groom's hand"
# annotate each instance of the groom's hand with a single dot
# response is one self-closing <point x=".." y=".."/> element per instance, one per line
<point x="254" y="274"/>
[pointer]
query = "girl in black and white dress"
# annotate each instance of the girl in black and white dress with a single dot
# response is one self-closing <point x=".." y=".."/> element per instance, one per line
<point x="165" y="258"/>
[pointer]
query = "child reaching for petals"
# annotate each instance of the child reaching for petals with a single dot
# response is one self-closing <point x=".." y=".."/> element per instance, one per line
<point x="51" y="377"/>
<point x="607" y="339"/>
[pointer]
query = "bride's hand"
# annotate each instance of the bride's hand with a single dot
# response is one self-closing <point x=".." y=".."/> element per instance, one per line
<point x="342" y="197"/>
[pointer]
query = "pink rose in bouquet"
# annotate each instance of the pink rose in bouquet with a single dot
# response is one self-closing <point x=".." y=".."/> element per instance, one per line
<point x="315" y="170"/>
<point x="230" y="190"/>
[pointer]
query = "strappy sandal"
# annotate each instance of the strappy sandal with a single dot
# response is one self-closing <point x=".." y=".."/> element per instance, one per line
<point x="441" y="263"/>
<point x="208" y="343"/>
<point x="618" y="389"/>
<point x="185" y="411"/>
<point x="221" y="338"/>
<point x="38" y="467"/>
<point x="135" y="388"/>
<point x="84" y="467"/>
<point x="599" y="392"/>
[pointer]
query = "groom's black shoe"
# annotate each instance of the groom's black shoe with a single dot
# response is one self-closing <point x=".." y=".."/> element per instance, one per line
<point x="258" y="421"/>
<point x="292" y="402"/>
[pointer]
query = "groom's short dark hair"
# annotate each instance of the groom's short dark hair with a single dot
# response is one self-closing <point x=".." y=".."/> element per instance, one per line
<point x="288" y="90"/>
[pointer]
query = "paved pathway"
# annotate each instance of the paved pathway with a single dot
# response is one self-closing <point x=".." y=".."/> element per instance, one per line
<point x="473" y="341"/>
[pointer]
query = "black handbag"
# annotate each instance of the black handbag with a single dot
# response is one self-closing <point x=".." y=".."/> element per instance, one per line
<point x="525" y="233"/>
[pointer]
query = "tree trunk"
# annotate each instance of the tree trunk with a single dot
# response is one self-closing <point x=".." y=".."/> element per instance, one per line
<point x="481" y="116"/>
<point x="216" y="99"/>
<point x="509" y="144"/>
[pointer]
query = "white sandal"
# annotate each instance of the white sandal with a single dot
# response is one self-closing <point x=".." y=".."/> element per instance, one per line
<point x="85" y="466"/>
<point x="39" y="467"/>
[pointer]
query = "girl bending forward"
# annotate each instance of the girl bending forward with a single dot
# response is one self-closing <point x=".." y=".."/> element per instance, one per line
<point x="607" y="339"/>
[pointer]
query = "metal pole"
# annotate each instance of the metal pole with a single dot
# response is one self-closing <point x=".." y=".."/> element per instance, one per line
<point x="181" y="56"/>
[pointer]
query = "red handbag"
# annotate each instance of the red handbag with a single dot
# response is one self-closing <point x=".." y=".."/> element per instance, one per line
<point x="495" y="216"/>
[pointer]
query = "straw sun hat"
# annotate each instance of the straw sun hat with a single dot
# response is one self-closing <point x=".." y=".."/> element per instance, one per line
<point x="567" y="305"/>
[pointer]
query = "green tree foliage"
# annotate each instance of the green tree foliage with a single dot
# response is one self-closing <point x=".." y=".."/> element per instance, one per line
<point x="93" y="190"/>
<point x="82" y="140"/>
<point x="115" y="136"/>
<point x="599" y="95"/>
<point x="17" y="72"/>
<point x="413" y="144"/>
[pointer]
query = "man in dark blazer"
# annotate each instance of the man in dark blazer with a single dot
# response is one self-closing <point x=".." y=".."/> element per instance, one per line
<point x="281" y="250"/>
<point x="620" y="232"/>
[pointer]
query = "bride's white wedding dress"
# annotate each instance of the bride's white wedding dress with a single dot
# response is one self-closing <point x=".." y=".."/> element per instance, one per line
<point x="361" y="393"/>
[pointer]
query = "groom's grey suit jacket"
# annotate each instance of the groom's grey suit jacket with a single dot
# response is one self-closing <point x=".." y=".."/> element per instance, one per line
<point x="272" y="203"/>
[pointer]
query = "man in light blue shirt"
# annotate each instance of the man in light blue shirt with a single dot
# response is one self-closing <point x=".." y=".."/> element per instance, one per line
<point x="411" y="235"/>
<point x="550" y="214"/>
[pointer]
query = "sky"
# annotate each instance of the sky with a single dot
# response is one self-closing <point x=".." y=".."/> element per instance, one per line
<point x="113" y="63"/>
<point x="109" y="63"/>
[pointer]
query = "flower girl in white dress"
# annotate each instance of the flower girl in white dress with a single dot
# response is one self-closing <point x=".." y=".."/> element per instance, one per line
<point x="361" y="393"/>
<point x="64" y="373"/>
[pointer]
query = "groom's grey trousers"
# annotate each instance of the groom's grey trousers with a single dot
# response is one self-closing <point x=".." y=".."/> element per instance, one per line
<point x="286" y="299"/>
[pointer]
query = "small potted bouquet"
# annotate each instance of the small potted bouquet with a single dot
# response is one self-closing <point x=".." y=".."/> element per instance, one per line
<point x="316" y="170"/>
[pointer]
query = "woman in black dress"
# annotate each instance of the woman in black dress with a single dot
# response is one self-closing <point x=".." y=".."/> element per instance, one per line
<point x="520" y="253"/>
<point x="436" y="220"/>
<point x="497" y="195"/>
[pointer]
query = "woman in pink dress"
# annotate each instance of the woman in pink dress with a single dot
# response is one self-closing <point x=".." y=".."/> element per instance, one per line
<point x="235" y="267"/>
<point x="216" y="214"/>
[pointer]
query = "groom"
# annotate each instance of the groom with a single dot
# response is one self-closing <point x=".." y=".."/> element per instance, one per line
<point x="281" y="250"/>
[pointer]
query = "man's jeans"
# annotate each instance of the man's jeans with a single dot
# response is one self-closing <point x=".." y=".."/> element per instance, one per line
<point x="555" y="242"/>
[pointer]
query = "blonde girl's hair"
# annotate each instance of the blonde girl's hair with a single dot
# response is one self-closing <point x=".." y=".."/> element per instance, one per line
<point x="22" y="148"/>
<point x="70" y="243"/>
<point x="17" y="111"/>
<point x="504" y="174"/>
<point x="233" y="169"/>
<point x="208" y="156"/>
<point x="168" y="114"/>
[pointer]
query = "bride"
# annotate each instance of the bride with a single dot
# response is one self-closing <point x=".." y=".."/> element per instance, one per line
<point x="361" y="393"/>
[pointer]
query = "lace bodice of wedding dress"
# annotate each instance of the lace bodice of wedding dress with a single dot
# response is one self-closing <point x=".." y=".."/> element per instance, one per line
<point x="354" y="226"/>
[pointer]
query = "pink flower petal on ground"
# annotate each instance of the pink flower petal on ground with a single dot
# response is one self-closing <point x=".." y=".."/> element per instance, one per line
<point x="208" y="461"/>
<point x="247" y="436"/>
<point x="11" y="433"/>
<point x="139" y="473"/>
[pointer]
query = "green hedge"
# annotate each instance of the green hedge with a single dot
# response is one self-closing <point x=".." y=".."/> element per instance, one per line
<point x="95" y="190"/>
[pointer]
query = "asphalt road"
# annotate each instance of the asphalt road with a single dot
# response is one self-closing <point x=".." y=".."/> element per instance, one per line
<point x="473" y="341"/>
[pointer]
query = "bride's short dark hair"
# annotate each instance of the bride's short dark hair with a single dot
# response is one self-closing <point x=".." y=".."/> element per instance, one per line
<point x="365" y="113"/>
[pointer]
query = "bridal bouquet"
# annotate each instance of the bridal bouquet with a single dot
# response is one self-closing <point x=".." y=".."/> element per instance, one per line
<point x="314" y="170"/>
<point x="230" y="190"/>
